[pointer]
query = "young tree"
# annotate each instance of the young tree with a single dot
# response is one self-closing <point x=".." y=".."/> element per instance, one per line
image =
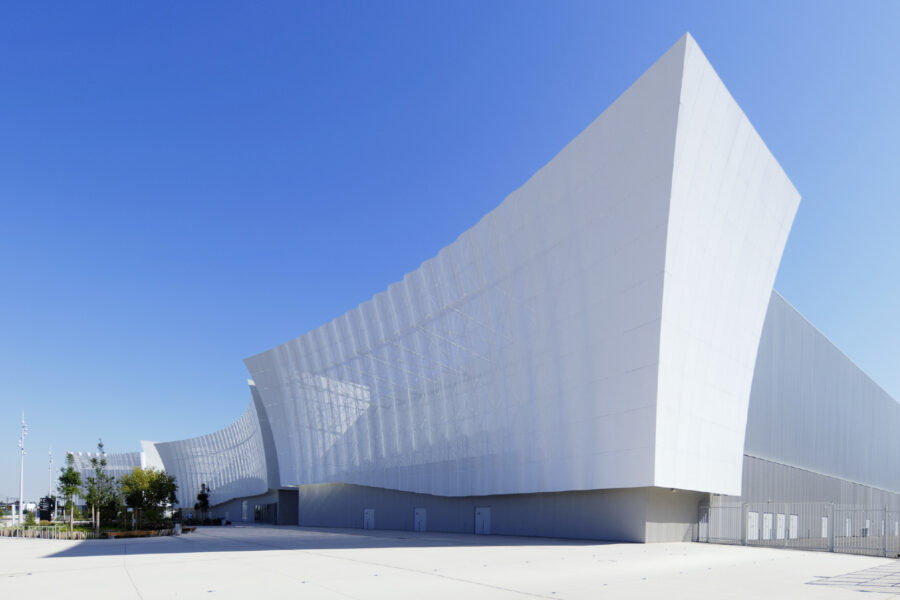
<point x="69" y="482"/>
<point x="90" y="495"/>
<point x="202" y="503"/>
<point x="148" y="491"/>
<point x="162" y="493"/>
<point x="100" y="488"/>
<point x="134" y="487"/>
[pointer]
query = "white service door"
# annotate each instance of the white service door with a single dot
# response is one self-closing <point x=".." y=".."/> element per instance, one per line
<point x="753" y="526"/>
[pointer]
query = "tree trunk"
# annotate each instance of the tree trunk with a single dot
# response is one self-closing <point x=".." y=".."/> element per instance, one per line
<point x="71" y="517"/>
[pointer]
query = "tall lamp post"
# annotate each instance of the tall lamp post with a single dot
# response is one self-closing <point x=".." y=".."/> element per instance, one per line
<point x="22" y="470"/>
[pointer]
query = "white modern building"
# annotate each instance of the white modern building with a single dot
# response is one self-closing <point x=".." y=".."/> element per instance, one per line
<point x="601" y="356"/>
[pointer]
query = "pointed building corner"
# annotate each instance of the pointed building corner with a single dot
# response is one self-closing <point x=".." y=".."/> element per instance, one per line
<point x="730" y="211"/>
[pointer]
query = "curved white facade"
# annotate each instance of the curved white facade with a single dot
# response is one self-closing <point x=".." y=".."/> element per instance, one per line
<point x="571" y="339"/>
<point x="231" y="461"/>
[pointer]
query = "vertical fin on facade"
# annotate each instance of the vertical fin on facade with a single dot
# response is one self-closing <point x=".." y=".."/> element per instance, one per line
<point x="150" y="456"/>
<point x="265" y="428"/>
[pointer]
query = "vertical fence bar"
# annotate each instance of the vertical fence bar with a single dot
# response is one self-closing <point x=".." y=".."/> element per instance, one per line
<point x="744" y="516"/>
<point x="832" y="525"/>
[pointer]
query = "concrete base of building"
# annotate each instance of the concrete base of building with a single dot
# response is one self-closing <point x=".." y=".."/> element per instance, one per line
<point x="628" y="515"/>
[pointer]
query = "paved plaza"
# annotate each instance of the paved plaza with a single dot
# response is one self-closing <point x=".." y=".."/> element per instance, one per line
<point x="289" y="562"/>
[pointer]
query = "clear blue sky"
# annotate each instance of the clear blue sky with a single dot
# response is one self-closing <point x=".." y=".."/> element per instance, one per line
<point x="185" y="186"/>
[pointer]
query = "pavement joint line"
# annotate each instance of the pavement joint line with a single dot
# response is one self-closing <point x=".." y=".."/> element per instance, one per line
<point x="307" y="582"/>
<point x="432" y="574"/>
<point x="877" y="579"/>
<point x="127" y="572"/>
<point x="406" y="569"/>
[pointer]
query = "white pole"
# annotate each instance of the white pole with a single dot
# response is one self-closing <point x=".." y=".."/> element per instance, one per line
<point x="22" y="470"/>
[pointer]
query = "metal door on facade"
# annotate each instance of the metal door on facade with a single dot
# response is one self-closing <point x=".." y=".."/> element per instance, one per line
<point x="368" y="518"/>
<point x="483" y="520"/>
<point x="419" y="522"/>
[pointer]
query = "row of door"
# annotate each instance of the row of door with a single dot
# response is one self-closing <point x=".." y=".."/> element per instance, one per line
<point x="420" y="519"/>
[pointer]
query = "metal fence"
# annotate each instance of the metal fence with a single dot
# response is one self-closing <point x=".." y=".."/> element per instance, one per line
<point x="46" y="532"/>
<point x="874" y="531"/>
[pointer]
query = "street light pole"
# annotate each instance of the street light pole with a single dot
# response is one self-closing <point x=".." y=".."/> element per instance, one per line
<point x="22" y="470"/>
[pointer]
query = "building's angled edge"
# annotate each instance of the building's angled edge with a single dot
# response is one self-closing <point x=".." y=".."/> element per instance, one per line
<point x="150" y="456"/>
<point x="265" y="428"/>
<point x="730" y="213"/>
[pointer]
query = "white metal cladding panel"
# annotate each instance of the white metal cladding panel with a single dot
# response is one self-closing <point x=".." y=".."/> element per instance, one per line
<point x="523" y="357"/>
<point x="731" y="209"/>
<point x="812" y="408"/>
<point x="768" y="481"/>
<point x="117" y="463"/>
<point x="230" y="461"/>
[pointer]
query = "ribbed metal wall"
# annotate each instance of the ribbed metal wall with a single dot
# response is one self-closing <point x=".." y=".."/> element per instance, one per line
<point x="812" y="408"/>
<point x="117" y="463"/>
<point x="765" y="480"/>
<point x="232" y="461"/>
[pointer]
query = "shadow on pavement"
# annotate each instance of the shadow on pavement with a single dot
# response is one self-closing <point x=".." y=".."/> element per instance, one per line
<point x="247" y="538"/>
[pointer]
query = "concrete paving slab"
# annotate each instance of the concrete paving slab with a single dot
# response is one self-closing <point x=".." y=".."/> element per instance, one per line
<point x="290" y="562"/>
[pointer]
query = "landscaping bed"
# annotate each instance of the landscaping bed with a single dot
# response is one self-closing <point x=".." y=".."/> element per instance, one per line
<point x="137" y="534"/>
